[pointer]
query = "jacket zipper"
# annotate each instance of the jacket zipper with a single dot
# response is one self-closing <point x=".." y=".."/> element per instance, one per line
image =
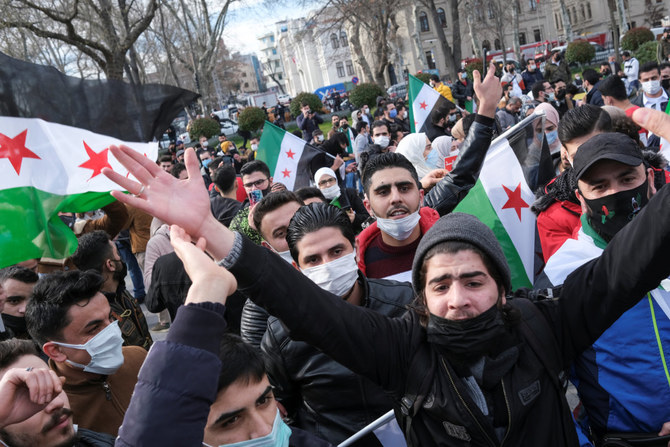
<point x="108" y="390"/>
<point x="466" y="405"/>
<point x="509" y="413"/>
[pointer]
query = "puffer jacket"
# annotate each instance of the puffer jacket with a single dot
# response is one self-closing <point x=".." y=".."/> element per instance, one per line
<point x="445" y="195"/>
<point x="304" y="377"/>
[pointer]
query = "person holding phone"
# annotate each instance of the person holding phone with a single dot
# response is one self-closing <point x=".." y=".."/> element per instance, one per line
<point x="257" y="183"/>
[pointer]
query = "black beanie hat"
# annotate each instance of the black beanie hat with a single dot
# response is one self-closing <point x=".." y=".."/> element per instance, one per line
<point x="465" y="228"/>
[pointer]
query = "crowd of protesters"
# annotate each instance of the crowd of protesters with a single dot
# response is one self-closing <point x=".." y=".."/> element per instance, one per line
<point x="298" y="318"/>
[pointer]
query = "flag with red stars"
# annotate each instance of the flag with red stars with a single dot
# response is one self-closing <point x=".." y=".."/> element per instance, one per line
<point x="49" y="168"/>
<point x="423" y="99"/>
<point x="287" y="156"/>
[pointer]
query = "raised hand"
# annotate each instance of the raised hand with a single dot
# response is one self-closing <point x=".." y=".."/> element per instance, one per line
<point x="210" y="282"/>
<point x="25" y="392"/>
<point x="654" y="121"/>
<point x="489" y="91"/>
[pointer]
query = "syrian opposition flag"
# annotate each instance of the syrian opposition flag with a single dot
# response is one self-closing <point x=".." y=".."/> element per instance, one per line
<point x="48" y="168"/>
<point x="287" y="156"/>
<point x="501" y="199"/>
<point x="423" y="99"/>
<point x="350" y="141"/>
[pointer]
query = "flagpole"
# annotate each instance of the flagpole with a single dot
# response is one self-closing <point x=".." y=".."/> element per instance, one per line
<point x="374" y="425"/>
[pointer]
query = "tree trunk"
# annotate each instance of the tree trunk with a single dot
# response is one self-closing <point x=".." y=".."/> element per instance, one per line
<point x="442" y="38"/>
<point x="623" y="21"/>
<point x="515" y="34"/>
<point x="615" y="30"/>
<point x="357" y="51"/>
<point x="471" y="31"/>
<point x="455" y="34"/>
<point x="567" y="25"/>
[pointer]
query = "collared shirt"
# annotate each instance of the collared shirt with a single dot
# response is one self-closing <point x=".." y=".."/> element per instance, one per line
<point x="655" y="103"/>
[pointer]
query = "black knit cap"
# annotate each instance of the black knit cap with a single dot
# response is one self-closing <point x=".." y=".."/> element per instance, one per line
<point x="464" y="228"/>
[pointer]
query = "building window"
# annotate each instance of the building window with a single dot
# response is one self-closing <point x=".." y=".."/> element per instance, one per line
<point x="537" y="35"/>
<point x="343" y="39"/>
<point x="340" y="69"/>
<point x="532" y="4"/>
<point x="588" y="10"/>
<point x="582" y="11"/>
<point x="274" y="51"/>
<point x="244" y="75"/>
<point x="574" y="15"/>
<point x="272" y="39"/>
<point x="491" y="11"/>
<point x="423" y="22"/>
<point x="522" y="39"/>
<point x="246" y="84"/>
<point x="558" y="26"/>
<point x="497" y="44"/>
<point x="430" y="59"/>
<point x="442" y="17"/>
<point x="279" y="76"/>
<point x="350" y="68"/>
<point x="486" y="44"/>
<point x="276" y="64"/>
<point x="334" y="42"/>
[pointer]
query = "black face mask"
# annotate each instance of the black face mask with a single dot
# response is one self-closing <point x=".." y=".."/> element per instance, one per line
<point x="560" y="93"/>
<point x="606" y="72"/>
<point x="16" y="324"/>
<point x="665" y="83"/>
<point x="119" y="275"/>
<point x="607" y="215"/>
<point x="467" y="338"/>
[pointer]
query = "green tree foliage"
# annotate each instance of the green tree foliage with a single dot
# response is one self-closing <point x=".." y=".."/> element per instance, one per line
<point x="313" y="100"/>
<point x="476" y="64"/>
<point x="646" y="52"/>
<point x="580" y="51"/>
<point x="635" y="37"/>
<point x="251" y="119"/>
<point x="424" y="77"/>
<point x="365" y="93"/>
<point x="204" y="126"/>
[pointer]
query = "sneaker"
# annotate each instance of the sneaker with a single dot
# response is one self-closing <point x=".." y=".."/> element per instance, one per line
<point x="160" y="327"/>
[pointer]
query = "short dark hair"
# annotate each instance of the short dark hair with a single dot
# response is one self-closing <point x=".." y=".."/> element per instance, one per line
<point x="441" y="111"/>
<point x="435" y="78"/>
<point x="537" y="88"/>
<point x="379" y="123"/>
<point x="255" y="166"/>
<point x="303" y="104"/>
<point x="271" y="202"/>
<point x="93" y="251"/>
<point x="224" y="178"/>
<point x="165" y="158"/>
<point x="310" y="192"/>
<point x="647" y="67"/>
<point x="13" y="349"/>
<point x="385" y="161"/>
<point x="591" y="75"/>
<point x="239" y="361"/>
<point x="360" y="126"/>
<point x="177" y="169"/>
<point x="557" y="80"/>
<point x="613" y="86"/>
<point x="18" y="273"/>
<point x="313" y="217"/>
<point x="626" y="53"/>
<point x="664" y="65"/>
<point x="582" y="121"/>
<point x="46" y="311"/>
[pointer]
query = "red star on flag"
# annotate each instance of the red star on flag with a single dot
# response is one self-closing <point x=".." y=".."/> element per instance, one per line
<point x="286" y="173"/>
<point x="423" y="105"/>
<point x="96" y="160"/>
<point x="290" y="154"/>
<point x="514" y="200"/>
<point x="15" y="150"/>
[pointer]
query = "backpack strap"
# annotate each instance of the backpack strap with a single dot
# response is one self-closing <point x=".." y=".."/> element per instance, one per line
<point x="415" y="389"/>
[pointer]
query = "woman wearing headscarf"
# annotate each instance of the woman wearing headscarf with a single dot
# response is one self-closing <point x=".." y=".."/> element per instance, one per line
<point x="550" y="132"/>
<point x="344" y="198"/>
<point x="417" y="149"/>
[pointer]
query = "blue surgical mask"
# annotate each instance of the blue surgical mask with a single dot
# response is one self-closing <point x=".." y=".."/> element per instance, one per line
<point x="551" y="137"/>
<point x="278" y="437"/>
<point x="433" y="159"/>
<point x="393" y="113"/>
<point x="206" y="163"/>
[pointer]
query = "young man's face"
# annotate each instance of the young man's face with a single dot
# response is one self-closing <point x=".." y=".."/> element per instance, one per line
<point x="166" y="166"/>
<point x="459" y="286"/>
<point x="653" y="75"/>
<point x="87" y="319"/>
<point x="335" y="121"/>
<point x="241" y="412"/>
<point x="607" y="177"/>
<point x="205" y="156"/>
<point x="275" y="223"/>
<point x="256" y="180"/>
<point x="393" y="194"/>
<point x="17" y="296"/>
<point x="322" y="246"/>
<point x="665" y="73"/>
<point x="380" y="131"/>
<point x="51" y="427"/>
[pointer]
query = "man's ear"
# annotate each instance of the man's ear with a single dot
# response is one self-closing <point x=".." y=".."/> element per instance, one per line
<point x="53" y="351"/>
<point x="650" y="180"/>
<point x="109" y="265"/>
<point x="582" y="202"/>
<point x="366" y="204"/>
<point x="266" y="245"/>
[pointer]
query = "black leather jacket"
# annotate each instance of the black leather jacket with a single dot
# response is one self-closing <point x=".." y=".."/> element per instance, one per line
<point x="444" y="196"/>
<point x="322" y="396"/>
<point x="461" y="92"/>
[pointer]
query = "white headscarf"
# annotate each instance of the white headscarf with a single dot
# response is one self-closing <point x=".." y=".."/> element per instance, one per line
<point x="321" y="172"/>
<point x="412" y="147"/>
<point x="442" y="145"/>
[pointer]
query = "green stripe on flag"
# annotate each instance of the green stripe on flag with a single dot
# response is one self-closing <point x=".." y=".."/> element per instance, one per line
<point x="30" y="227"/>
<point x="270" y="145"/>
<point x="415" y="86"/>
<point x="477" y="203"/>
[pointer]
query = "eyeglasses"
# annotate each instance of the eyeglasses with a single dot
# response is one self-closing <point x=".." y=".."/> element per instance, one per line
<point x="327" y="182"/>
<point x="256" y="184"/>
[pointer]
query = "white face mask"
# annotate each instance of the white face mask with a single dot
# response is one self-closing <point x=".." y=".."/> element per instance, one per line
<point x="285" y="255"/>
<point x="331" y="192"/>
<point x="254" y="147"/>
<point x="104" y="349"/>
<point x="651" y="87"/>
<point x="382" y="140"/>
<point x="399" y="229"/>
<point x="204" y="143"/>
<point x="337" y="277"/>
<point x="320" y="137"/>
